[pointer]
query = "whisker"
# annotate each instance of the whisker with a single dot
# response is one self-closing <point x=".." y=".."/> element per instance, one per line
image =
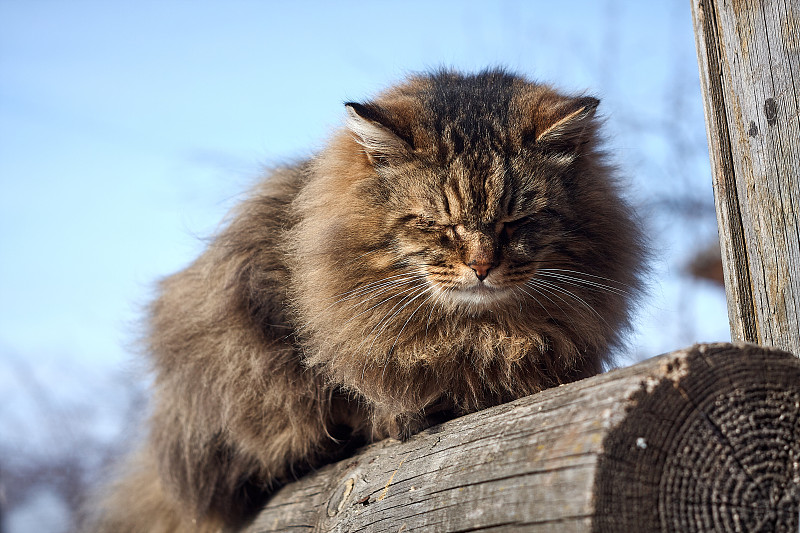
<point x="542" y="291"/>
<point x="377" y="291"/>
<point x="572" y="295"/>
<point x="372" y="284"/>
<point x="546" y="288"/>
<point x="387" y="319"/>
<point x="388" y="353"/>
<point x="409" y="293"/>
<point x="377" y="288"/>
<point x="410" y="289"/>
<point x="519" y="300"/>
<point x="586" y="274"/>
<point x="535" y="299"/>
<point x="439" y="297"/>
<point x="384" y="320"/>
<point x="577" y="282"/>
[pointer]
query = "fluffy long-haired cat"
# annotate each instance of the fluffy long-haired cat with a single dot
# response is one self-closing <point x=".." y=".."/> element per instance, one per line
<point x="459" y="243"/>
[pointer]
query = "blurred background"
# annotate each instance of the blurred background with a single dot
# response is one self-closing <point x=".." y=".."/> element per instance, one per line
<point x="128" y="130"/>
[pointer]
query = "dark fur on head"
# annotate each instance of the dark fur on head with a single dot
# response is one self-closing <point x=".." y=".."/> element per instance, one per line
<point x="461" y="243"/>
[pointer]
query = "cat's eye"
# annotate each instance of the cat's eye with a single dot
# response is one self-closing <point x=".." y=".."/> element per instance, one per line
<point x="424" y="222"/>
<point x="511" y="226"/>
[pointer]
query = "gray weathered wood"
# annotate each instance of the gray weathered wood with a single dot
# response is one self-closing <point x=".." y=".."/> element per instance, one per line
<point x="703" y="439"/>
<point x="749" y="57"/>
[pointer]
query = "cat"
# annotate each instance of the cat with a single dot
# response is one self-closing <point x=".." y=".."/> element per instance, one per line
<point x="461" y="242"/>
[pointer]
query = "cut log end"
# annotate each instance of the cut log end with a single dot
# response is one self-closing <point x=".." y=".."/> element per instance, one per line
<point x="717" y="449"/>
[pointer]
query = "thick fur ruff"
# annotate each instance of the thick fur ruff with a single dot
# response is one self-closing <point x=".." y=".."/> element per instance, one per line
<point x="459" y="244"/>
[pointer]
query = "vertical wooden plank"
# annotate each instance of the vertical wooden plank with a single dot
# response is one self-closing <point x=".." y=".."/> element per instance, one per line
<point x="750" y="76"/>
<point x="741" y="310"/>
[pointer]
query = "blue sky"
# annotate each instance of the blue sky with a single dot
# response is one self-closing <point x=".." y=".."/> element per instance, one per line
<point x="128" y="129"/>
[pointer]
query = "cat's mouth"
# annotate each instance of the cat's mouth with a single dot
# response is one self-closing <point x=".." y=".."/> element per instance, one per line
<point x="479" y="293"/>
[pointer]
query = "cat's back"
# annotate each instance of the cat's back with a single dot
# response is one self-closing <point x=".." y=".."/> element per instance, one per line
<point x="239" y="281"/>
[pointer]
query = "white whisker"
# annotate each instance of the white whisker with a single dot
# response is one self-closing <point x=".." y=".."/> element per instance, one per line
<point x="576" y="281"/>
<point x="373" y="290"/>
<point x="371" y="295"/>
<point x="562" y="290"/>
<point x="387" y="319"/>
<point x="439" y="297"/>
<point x="394" y="295"/>
<point x="388" y="353"/>
<point x="368" y="286"/>
<point x="544" y="288"/>
<point x="568" y="273"/>
<point x="415" y="293"/>
<point x="535" y="299"/>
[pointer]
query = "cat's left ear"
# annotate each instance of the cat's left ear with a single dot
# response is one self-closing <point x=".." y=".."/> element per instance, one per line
<point x="567" y="125"/>
<point x="374" y="130"/>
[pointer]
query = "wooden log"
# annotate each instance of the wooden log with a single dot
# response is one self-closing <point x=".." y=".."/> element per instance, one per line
<point x="749" y="57"/>
<point x="703" y="439"/>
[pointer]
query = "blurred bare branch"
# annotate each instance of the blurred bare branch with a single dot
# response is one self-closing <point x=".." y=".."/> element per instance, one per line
<point x="53" y="444"/>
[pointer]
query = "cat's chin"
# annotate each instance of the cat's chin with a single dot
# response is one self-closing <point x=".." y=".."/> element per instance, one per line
<point x="479" y="296"/>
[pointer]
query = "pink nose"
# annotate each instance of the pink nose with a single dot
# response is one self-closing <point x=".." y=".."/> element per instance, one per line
<point x="481" y="270"/>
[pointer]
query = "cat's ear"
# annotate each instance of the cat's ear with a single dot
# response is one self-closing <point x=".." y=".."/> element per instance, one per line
<point x="373" y="130"/>
<point x="567" y="125"/>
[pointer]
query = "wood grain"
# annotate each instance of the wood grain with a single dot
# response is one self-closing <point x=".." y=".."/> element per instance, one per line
<point x="703" y="439"/>
<point x="748" y="53"/>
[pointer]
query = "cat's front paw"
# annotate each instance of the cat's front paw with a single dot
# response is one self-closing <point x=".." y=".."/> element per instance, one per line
<point x="400" y="426"/>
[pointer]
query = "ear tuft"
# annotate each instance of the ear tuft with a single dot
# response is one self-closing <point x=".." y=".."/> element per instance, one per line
<point x="568" y="125"/>
<point x="373" y="130"/>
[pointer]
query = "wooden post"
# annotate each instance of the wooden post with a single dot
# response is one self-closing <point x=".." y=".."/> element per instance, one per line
<point x="703" y="439"/>
<point x="749" y="57"/>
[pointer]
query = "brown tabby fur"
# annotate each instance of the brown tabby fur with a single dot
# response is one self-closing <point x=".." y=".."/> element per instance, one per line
<point x="346" y="298"/>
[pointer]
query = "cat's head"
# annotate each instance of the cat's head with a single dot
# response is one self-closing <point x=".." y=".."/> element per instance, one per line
<point x="475" y="180"/>
<point x="467" y="194"/>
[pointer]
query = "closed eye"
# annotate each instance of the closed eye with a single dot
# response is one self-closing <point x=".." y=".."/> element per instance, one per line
<point x="511" y="226"/>
<point x="423" y="222"/>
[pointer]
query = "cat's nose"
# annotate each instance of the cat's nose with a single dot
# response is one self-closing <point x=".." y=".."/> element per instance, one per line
<point x="481" y="270"/>
<point x="481" y="253"/>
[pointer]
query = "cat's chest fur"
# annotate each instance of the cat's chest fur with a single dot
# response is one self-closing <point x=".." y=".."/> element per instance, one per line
<point x="417" y="361"/>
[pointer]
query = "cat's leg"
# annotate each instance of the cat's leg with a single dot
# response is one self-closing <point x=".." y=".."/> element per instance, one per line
<point x="222" y="454"/>
<point x="197" y="476"/>
<point x="137" y="503"/>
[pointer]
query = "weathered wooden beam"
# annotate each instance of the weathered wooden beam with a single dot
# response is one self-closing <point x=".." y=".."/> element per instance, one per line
<point x="749" y="57"/>
<point x="703" y="439"/>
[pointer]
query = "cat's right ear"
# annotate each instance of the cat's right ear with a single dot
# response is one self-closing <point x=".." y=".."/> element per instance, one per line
<point x="373" y="130"/>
